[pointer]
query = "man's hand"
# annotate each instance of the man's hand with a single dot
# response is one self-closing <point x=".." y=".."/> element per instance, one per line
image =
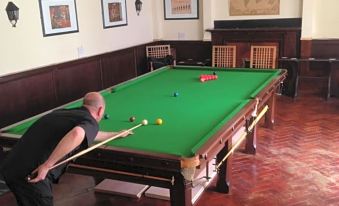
<point x="126" y="134"/>
<point x="39" y="173"/>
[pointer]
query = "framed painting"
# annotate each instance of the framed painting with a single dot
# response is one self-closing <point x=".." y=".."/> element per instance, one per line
<point x="58" y="17"/>
<point x="181" y="9"/>
<point x="114" y="13"/>
<point x="254" y="7"/>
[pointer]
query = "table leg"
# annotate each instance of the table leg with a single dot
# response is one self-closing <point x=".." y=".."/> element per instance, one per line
<point x="330" y="74"/>
<point x="224" y="173"/>
<point x="181" y="192"/>
<point x="334" y="90"/>
<point x="269" y="116"/>
<point x="290" y="83"/>
<point x="296" y="83"/>
<point x="251" y="139"/>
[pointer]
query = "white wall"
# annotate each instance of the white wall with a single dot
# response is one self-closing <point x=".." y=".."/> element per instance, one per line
<point x="320" y="19"/>
<point x="326" y="20"/>
<point x="24" y="47"/>
<point x="308" y="19"/>
<point x="176" y="29"/>
<point x="210" y="10"/>
<point x="219" y="10"/>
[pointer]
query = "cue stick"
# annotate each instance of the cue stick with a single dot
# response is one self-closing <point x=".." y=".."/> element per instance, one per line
<point x="88" y="149"/>
<point x="243" y="135"/>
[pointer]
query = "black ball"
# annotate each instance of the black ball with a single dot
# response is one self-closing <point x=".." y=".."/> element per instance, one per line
<point x="132" y="119"/>
<point x="106" y="116"/>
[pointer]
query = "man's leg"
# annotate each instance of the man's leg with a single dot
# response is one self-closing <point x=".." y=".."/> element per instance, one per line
<point x="28" y="194"/>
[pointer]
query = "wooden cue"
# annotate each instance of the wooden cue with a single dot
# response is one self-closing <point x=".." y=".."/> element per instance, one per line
<point x="90" y="148"/>
<point x="124" y="173"/>
<point x="257" y="119"/>
<point x="243" y="135"/>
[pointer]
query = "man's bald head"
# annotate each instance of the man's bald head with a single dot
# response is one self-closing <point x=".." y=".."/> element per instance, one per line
<point x="94" y="99"/>
<point x="95" y="103"/>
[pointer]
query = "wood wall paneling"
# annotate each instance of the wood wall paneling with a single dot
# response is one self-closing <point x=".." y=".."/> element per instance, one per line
<point x="322" y="48"/>
<point x="244" y="51"/>
<point x="35" y="91"/>
<point x="326" y="48"/>
<point x="26" y="95"/>
<point x="258" y="23"/>
<point x="335" y="81"/>
<point x="290" y="46"/>
<point x="283" y="33"/>
<point x="196" y="50"/>
<point x="74" y="79"/>
<point x="287" y="40"/>
<point x="32" y="92"/>
<point x="305" y="48"/>
<point x="140" y="59"/>
<point x="118" y="67"/>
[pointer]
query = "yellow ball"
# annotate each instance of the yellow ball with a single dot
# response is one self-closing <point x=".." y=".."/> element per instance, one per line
<point x="158" y="121"/>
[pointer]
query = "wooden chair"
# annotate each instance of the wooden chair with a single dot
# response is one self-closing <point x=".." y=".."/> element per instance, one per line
<point x="157" y="52"/>
<point x="223" y="56"/>
<point x="263" y="57"/>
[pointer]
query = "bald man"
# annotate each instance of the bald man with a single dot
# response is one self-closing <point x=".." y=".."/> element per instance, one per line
<point x="54" y="137"/>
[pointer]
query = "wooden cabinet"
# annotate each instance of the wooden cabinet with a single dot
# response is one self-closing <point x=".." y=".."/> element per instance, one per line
<point x="283" y="33"/>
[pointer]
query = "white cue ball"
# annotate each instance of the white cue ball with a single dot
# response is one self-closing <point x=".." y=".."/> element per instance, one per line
<point x="144" y="122"/>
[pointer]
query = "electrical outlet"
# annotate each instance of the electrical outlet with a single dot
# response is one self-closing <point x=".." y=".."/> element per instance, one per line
<point x="181" y="36"/>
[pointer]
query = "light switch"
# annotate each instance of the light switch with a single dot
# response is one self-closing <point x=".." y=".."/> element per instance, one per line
<point x="81" y="52"/>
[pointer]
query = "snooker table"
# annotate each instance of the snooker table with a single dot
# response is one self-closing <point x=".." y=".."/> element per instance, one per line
<point x="198" y="126"/>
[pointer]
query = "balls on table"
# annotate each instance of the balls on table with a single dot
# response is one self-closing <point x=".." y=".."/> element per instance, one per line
<point x="132" y="119"/>
<point x="158" y="121"/>
<point x="144" y="122"/>
<point x="106" y="116"/>
<point x="176" y="94"/>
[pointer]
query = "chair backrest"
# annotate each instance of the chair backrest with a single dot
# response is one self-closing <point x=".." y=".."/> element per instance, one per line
<point x="263" y="57"/>
<point x="158" y="51"/>
<point x="223" y="56"/>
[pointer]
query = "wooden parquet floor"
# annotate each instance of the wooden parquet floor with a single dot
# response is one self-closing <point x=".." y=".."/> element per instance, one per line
<point x="297" y="164"/>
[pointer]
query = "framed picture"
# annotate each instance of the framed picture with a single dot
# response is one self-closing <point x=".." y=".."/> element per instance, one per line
<point x="114" y="13"/>
<point x="181" y="9"/>
<point x="58" y="17"/>
<point x="246" y="7"/>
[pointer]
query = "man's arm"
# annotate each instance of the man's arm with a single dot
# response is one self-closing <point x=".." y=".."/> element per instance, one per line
<point x="68" y="143"/>
<point x="101" y="136"/>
